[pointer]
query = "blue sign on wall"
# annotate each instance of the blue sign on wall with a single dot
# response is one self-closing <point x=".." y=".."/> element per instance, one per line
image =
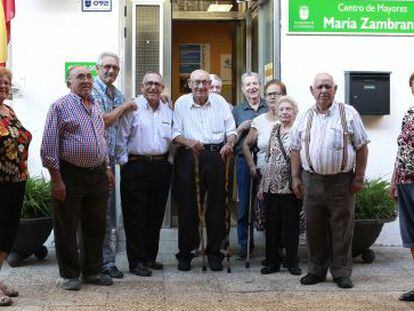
<point x="96" y="5"/>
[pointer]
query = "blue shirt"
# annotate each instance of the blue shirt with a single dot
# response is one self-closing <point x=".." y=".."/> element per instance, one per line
<point x="106" y="105"/>
<point x="243" y="112"/>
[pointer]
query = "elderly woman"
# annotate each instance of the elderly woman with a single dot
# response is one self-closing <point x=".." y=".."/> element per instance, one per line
<point x="261" y="127"/>
<point x="283" y="208"/>
<point x="14" y="144"/>
<point x="402" y="182"/>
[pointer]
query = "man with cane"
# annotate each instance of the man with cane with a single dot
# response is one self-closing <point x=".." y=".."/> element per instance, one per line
<point x="202" y="122"/>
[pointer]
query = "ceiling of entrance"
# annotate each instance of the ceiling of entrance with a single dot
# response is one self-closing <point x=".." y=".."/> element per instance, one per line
<point x="205" y="5"/>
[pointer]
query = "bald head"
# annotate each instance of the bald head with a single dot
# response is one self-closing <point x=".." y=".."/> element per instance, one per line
<point x="323" y="75"/>
<point x="80" y="81"/>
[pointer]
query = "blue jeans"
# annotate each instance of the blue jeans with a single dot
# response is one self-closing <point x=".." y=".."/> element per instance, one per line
<point x="243" y="190"/>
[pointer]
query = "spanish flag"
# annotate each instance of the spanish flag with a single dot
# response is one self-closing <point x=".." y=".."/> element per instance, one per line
<point x="3" y="35"/>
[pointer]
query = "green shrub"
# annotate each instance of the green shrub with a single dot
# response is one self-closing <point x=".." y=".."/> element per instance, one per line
<point x="37" y="200"/>
<point x="374" y="202"/>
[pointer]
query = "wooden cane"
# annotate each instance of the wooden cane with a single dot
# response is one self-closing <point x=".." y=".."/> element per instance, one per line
<point x="228" y="213"/>
<point x="200" y="210"/>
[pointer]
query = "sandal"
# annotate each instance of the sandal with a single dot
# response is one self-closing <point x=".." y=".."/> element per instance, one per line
<point x="5" y="300"/>
<point x="8" y="291"/>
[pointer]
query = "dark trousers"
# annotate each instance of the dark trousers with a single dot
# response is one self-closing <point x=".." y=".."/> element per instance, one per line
<point x="212" y="178"/>
<point x="85" y="204"/>
<point x="282" y="211"/>
<point x="11" y="196"/>
<point x="329" y="212"/>
<point x="144" y="192"/>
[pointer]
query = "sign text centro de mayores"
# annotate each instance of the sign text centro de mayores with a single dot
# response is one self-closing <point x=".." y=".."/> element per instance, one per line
<point x="351" y="16"/>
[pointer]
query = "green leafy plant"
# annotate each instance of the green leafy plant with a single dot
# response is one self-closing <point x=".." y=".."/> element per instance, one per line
<point x="374" y="202"/>
<point x="37" y="200"/>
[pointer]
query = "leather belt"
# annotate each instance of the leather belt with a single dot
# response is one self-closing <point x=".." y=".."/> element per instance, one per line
<point x="213" y="147"/>
<point x="149" y="158"/>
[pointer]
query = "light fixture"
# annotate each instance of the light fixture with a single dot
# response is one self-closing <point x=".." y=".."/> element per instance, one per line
<point x="219" y="7"/>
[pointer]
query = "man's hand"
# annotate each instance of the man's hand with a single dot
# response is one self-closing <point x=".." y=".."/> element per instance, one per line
<point x="297" y="187"/>
<point x="393" y="191"/>
<point x="58" y="189"/>
<point x="244" y="126"/>
<point x="357" y="184"/>
<point x="111" y="178"/>
<point x="196" y="146"/>
<point x="129" y="106"/>
<point x="226" y="150"/>
<point x="254" y="172"/>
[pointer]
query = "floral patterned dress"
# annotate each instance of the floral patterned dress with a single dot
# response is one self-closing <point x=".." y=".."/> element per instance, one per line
<point x="14" y="145"/>
<point x="275" y="176"/>
<point x="404" y="164"/>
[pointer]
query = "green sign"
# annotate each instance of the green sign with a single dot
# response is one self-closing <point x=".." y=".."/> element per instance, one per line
<point x="352" y="16"/>
<point x="89" y="65"/>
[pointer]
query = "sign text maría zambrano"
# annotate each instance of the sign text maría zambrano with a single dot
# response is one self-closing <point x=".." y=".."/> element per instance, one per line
<point x="351" y="16"/>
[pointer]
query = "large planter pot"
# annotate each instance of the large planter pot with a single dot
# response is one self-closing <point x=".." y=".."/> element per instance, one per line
<point x="366" y="233"/>
<point x="31" y="236"/>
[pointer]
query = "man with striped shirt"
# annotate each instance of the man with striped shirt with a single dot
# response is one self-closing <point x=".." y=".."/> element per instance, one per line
<point x="329" y="142"/>
<point x="202" y="122"/>
<point x="75" y="153"/>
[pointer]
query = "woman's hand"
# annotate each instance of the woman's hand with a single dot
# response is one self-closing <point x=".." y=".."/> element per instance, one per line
<point x="254" y="172"/>
<point x="393" y="191"/>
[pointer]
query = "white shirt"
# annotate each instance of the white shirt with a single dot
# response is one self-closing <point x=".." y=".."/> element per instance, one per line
<point x="326" y="143"/>
<point x="209" y="124"/>
<point x="144" y="131"/>
<point x="263" y="127"/>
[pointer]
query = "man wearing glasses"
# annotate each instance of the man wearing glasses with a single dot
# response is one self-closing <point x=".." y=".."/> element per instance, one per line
<point x="112" y="105"/>
<point x="243" y="114"/>
<point x="142" y="147"/>
<point x="202" y="123"/>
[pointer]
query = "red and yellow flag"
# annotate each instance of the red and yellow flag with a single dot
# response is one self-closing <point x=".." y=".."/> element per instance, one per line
<point x="3" y="35"/>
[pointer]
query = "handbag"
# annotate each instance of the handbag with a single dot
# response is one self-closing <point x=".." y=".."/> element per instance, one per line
<point x="287" y="159"/>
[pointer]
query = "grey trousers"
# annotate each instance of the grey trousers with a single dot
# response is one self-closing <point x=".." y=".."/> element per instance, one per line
<point x="329" y="212"/>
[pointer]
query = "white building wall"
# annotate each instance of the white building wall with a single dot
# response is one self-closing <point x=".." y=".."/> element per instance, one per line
<point x="45" y="35"/>
<point x="304" y="56"/>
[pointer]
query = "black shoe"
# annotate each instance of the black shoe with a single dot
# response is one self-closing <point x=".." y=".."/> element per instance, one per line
<point x="295" y="270"/>
<point x="264" y="262"/>
<point x="98" y="279"/>
<point x="270" y="269"/>
<point x="113" y="272"/>
<point x="155" y="265"/>
<point x="141" y="270"/>
<point x="215" y="263"/>
<point x="343" y="282"/>
<point x="184" y="264"/>
<point x="310" y="279"/>
<point x="408" y="296"/>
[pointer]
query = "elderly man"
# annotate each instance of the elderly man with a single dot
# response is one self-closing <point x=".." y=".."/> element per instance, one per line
<point x="243" y="114"/>
<point x="75" y="153"/>
<point x="111" y="102"/>
<point x="202" y="122"/>
<point x="144" y="138"/>
<point x="330" y="143"/>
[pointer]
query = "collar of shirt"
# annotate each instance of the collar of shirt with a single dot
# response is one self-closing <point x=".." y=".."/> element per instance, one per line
<point x="80" y="99"/>
<point x="101" y="87"/>
<point x="329" y="112"/>
<point x="262" y="104"/>
<point x="195" y="105"/>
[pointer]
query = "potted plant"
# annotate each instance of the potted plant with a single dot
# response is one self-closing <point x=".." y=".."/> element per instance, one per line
<point x="373" y="208"/>
<point x="35" y="224"/>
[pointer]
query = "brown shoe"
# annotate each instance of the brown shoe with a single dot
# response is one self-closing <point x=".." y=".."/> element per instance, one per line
<point x="5" y="300"/>
<point x="8" y="291"/>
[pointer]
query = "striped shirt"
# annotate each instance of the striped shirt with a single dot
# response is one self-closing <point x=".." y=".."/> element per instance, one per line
<point x="107" y="104"/>
<point x="144" y="131"/>
<point x="326" y="142"/>
<point x="73" y="134"/>
<point x="209" y="124"/>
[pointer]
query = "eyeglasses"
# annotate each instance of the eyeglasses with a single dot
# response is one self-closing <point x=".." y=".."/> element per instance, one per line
<point x="200" y="82"/>
<point x="275" y="93"/>
<point x="108" y="67"/>
<point x="152" y="83"/>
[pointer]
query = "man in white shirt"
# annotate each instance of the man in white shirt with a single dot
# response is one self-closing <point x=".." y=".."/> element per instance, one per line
<point x="329" y="142"/>
<point x="202" y="122"/>
<point x="143" y="142"/>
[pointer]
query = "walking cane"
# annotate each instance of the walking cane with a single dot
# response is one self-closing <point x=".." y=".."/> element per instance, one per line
<point x="228" y="213"/>
<point x="249" y="219"/>
<point x="200" y="210"/>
